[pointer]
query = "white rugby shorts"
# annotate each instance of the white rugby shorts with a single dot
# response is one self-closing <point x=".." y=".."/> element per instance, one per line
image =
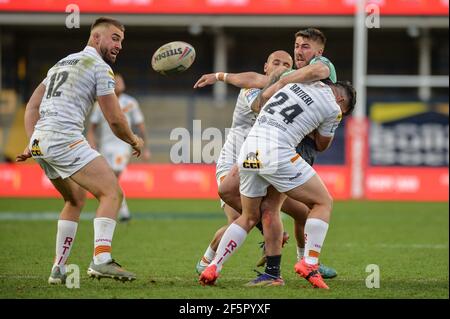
<point x="59" y="154"/>
<point x="287" y="175"/>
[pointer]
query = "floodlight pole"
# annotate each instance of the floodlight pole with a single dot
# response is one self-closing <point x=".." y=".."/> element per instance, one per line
<point x="360" y="58"/>
<point x="220" y="65"/>
<point x="359" y="131"/>
<point x="425" y="65"/>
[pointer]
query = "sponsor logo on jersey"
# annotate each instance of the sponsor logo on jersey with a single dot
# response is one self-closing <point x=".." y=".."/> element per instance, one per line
<point x="251" y="94"/>
<point x="35" y="148"/>
<point x="252" y="161"/>
<point x="262" y="119"/>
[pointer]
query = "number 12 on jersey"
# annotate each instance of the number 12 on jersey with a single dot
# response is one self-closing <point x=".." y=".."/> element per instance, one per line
<point x="61" y="77"/>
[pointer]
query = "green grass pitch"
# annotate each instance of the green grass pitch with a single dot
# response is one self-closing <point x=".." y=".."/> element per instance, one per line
<point x="408" y="242"/>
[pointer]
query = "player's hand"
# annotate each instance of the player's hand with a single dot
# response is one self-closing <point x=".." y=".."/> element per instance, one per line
<point x="206" y="79"/>
<point x="137" y="145"/>
<point x="26" y="154"/>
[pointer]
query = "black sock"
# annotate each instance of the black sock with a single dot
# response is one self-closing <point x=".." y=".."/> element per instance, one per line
<point x="273" y="265"/>
<point x="260" y="227"/>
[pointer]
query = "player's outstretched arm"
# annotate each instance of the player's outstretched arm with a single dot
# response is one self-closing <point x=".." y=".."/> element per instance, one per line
<point x="118" y="123"/>
<point x="240" y="80"/>
<point x="310" y="73"/>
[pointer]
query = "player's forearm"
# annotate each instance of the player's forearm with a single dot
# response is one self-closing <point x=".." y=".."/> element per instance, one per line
<point x="247" y="80"/>
<point x="119" y="126"/>
<point x="116" y="119"/>
<point x="309" y="73"/>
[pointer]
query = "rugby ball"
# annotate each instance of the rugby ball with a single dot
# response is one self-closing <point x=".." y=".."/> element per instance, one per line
<point x="172" y="58"/>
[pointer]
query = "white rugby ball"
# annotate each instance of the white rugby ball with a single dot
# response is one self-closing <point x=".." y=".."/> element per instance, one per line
<point x="172" y="58"/>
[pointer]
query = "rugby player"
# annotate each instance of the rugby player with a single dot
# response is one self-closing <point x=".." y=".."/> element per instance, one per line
<point x="54" y="123"/>
<point x="268" y="158"/>
<point x="311" y="66"/>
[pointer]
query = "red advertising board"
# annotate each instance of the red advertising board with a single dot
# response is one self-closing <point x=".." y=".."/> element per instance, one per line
<point x="405" y="183"/>
<point x="151" y="181"/>
<point x="265" y="7"/>
<point x="198" y="181"/>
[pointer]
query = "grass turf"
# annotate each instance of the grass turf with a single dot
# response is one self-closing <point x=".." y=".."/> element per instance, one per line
<point x="408" y="241"/>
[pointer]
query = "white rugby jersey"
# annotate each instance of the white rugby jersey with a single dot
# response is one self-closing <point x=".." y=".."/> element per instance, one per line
<point x="295" y="111"/>
<point x="72" y="86"/>
<point x="131" y="110"/>
<point x="243" y="120"/>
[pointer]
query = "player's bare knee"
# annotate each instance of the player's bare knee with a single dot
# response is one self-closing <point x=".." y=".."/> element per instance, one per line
<point x="253" y="220"/>
<point x="81" y="201"/>
<point x="327" y="203"/>
<point x="268" y="207"/>
<point x="112" y="194"/>
<point x="75" y="202"/>
<point x="266" y="218"/>
<point x="228" y="192"/>
<point x="224" y="192"/>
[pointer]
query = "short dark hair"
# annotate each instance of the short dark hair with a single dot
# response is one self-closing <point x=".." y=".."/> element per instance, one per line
<point x="351" y="95"/>
<point x="108" y="21"/>
<point x="314" y="34"/>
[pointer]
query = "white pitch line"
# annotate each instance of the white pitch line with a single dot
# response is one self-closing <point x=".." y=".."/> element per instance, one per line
<point x="415" y="246"/>
<point x="395" y="246"/>
<point x="15" y="216"/>
<point x="20" y="277"/>
<point x="34" y="216"/>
